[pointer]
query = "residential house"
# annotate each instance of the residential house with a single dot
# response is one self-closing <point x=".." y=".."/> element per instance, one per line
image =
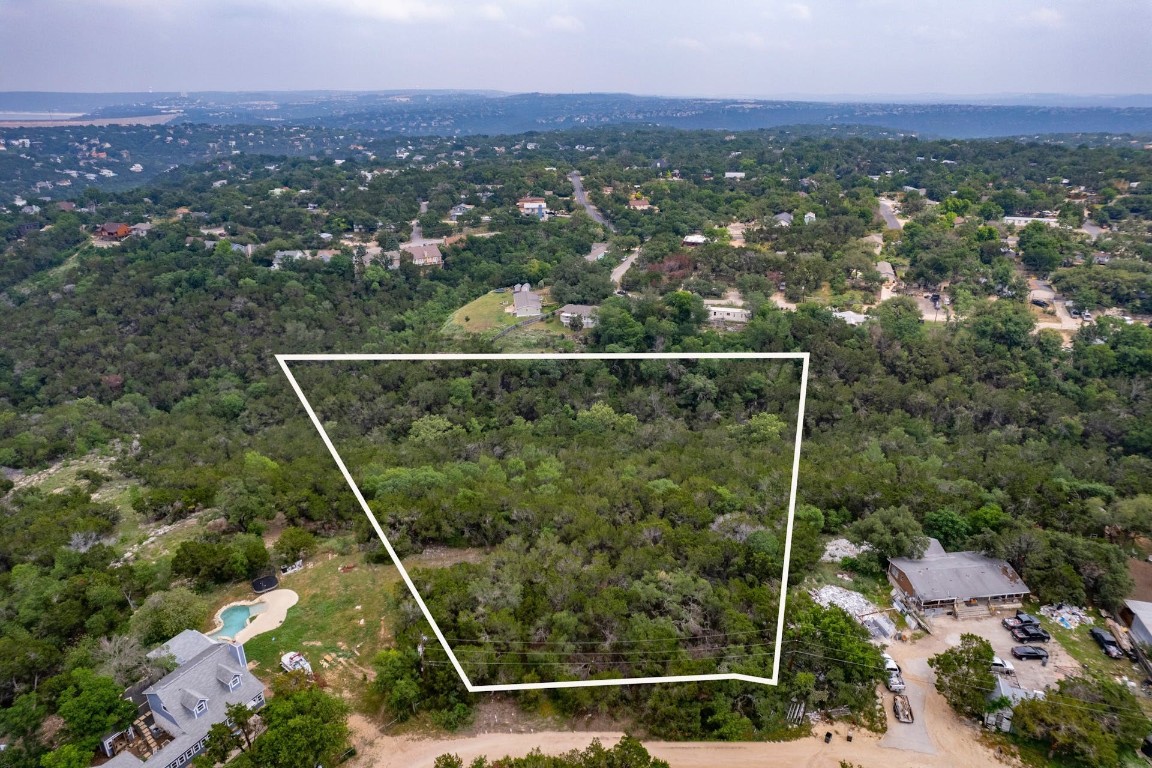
<point x="734" y="174"/>
<point x="850" y="317"/>
<point x="886" y="271"/>
<point x="1023" y="221"/>
<point x="722" y="314"/>
<point x="783" y="219"/>
<point x="597" y="252"/>
<point x="177" y="712"/>
<point x="809" y="217"/>
<point x="639" y="204"/>
<point x="424" y="254"/>
<point x="525" y="303"/>
<point x="279" y="257"/>
<point x="585" y="312"/>
<point x="65" y="205"/>
<point x="533" y="206"/>
<point x="113" y="231"/>
<point x="243" y="250"/>
<point x="962" y="583"/>
<point x="142" y="229"/>
<point x="1002" y="690"/>
<point x="459" y="210"/>
<point x="694" y="240"/>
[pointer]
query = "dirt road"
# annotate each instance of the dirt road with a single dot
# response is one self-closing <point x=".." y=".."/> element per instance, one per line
<point x="959" y="748"/>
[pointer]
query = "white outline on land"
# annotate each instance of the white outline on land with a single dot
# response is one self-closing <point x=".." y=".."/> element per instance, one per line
<point x="803" y="356"/>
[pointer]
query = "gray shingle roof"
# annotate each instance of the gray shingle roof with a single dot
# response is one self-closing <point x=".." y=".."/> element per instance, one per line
<point x="959" y="575"/>
<point x="206" y="676"/>
<point x="184" y="647"/>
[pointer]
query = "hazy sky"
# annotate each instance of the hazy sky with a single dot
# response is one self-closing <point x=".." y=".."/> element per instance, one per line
<point x="665" y="47"/>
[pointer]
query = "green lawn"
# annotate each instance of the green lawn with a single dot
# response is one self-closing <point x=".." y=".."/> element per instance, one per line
<point x="1084" y="649"/>
<point x="484" y="315"/>
<point x="340" y="614"/>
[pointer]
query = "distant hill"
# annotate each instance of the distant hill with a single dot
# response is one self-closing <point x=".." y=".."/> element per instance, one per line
<point x="486" y="112"/>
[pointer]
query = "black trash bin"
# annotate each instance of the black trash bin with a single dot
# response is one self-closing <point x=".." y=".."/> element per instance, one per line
<point x="827" y="737"/>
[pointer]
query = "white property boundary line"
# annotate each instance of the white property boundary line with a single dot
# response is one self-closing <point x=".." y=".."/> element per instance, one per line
<point x="803" y="356"/>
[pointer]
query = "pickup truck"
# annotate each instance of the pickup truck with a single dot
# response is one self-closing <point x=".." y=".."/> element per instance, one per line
<point x="895" y="680"/>
<point x="1029" y="633"/>
<point x="1021" y="619"/>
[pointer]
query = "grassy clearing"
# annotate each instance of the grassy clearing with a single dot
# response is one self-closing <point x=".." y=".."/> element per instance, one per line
<point x="341" y="615"/>
<point x="546" y="336"/>
<point x="484" y="315"/>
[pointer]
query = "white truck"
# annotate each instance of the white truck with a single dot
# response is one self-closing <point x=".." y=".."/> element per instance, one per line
<point x="895" y="680"/>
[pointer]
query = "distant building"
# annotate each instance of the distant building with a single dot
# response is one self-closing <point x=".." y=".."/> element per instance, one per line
<point x="720" y="314"/>
<point x="533" y="206"/>
<point x="783" y="219"/>
<point x="459" y="210"/>
<point x="142" y="229"/>
<point x="1023" y="221"/>
<point x="886" y="271"/>
<point x="809" y="217"/>
<point x="852" y="318"/>
<point x="734" y="174"/>
<point x="65" y="205"/>
<point x="279" y="257"/>
<point x="113" y="231"/>
<point x="424" y="254"/>
<point x="940" y="582"/>
<point x="177" y="712"/>
<point x="585" y="312"/>
<point x="525" y="303"/>
<point x="694" y="240"/>
<point x="639" y="204"/>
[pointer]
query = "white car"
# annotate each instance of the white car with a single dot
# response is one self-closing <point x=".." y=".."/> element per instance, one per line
<point x="1002" y="667"/>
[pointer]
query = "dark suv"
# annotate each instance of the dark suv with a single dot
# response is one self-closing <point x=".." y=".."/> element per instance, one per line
<point x="1107" y="643"/>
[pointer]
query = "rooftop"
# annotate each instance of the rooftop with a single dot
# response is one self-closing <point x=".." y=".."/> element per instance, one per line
<point x="941" y="575"/>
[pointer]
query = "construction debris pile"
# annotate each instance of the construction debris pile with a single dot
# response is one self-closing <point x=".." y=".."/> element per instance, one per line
<point x="857" y="606"/>
<point x="1067" y="616"/>
<point x="838" y="549"/>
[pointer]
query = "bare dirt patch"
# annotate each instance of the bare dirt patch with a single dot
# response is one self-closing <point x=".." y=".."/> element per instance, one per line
<point x="1141" y="572"/>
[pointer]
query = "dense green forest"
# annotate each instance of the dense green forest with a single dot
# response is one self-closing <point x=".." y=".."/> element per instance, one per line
<point x="159" y="352"/>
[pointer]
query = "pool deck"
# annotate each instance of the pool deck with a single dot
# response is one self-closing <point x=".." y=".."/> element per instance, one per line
<point x="274" y="608"/>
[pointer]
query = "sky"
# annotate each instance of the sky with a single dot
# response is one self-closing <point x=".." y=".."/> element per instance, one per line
<point x="724" y="48"/>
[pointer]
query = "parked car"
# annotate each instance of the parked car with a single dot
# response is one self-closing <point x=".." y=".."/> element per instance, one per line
<point x="1087" y="316"/>
<point x="1021" y="619"/>
<point x="1029" y="633"/>
<point x="1107" y="643"/>
<point x="1027" y="652"/>
<point x="1040" y="303"/>
<point x="1002" y="667"/>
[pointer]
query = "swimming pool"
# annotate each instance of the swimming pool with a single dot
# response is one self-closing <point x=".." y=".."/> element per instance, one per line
<point x="234" y="618"/>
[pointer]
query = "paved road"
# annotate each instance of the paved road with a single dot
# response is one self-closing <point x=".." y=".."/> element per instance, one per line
<point x="889" y="215"/>
<point x="624" y="266"/>
<point x="582" y="198"/>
